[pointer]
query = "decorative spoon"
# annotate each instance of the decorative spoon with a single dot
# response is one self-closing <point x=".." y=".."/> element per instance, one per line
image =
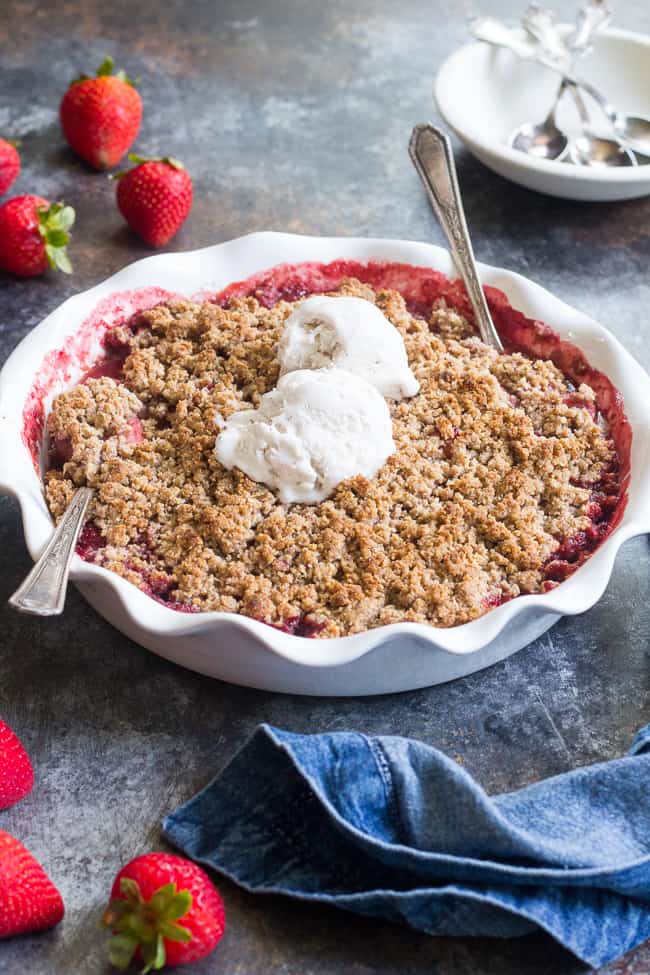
<point x="592" y="17"/>
<point x="43" y="591"/>
<point x="633" y="132"/>
<point x="589" y="149"/>
<point x="431" y="154"/>
<point x="540" y="24"/>
<point x="544" y="140"/>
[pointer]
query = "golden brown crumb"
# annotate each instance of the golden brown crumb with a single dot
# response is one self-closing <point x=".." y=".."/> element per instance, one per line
<point x="476" y="498"/>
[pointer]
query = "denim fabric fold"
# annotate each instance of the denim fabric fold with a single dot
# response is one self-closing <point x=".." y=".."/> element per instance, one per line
<point x="389" y="827"/>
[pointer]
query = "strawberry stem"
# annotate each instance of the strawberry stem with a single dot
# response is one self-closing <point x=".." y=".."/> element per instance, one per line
<point x="145" y="924"/>
<point x="121" y="950"/>
<point x="106" y="67"/>
<point x="169" y="160"/>
<point x="54" y="222"/>
<point x="104" y="71"/>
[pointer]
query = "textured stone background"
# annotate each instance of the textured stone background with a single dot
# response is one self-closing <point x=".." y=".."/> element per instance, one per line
<point x="290" y="116"/>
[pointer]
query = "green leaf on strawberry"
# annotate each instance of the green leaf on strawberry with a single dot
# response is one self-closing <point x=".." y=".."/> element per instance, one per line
<point x="121" y="950"/>
<point x="54" y="222"/>
<point x="106" y="67"/>
<point x="145" y="924"/>
<point x="169" y="160"/>
<point x="105" y="70"/>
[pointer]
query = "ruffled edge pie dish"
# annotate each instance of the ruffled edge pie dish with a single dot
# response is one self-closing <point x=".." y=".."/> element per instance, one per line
<point x="242" y="650"/>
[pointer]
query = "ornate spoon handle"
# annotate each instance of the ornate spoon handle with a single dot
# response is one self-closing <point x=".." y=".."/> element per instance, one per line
<point x="592" y="17"/>
<point x="493" y="32"/>
<point x="431" y="153"/>
<point x="43" y="591"/>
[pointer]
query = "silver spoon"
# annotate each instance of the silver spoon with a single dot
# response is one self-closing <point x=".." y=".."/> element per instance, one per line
<point x="43" y="591"/>
<point x="589" y="149"/>
<point x="540" y="24"/>
<point x="431" y="154"/>
<point x="593" y="16"/>
<point x="544" y="140"/>
<point x="632" y="131"/>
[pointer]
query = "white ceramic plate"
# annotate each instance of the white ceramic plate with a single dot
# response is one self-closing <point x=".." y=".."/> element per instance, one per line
<point x="483" y="93"/>
<point x="243" y="651"/>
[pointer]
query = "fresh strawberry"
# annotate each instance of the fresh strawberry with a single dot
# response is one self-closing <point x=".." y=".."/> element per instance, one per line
<point x="9" y="164"/>
<point x="33" y="235"/>
<point x="29" y="901"/>
<point x="101" y="116"/>
<point x="16" y="772"/>
<point x="155" y="198"/>
<point x="164" y="910"/>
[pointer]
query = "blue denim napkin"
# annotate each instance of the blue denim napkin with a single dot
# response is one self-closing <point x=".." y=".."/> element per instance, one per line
<point x="392" y="828"/>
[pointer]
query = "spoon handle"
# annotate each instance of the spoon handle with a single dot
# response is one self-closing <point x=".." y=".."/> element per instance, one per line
<point x="592" y="17"/>
<point x="500" y="38"/>
<point x="540" y="23"/>
<point x="43" y="591"/>
<point x="579" y="103"/>
<point x="492" y="31"/>
<point x="498" y="35"/>
<point x="606" y="108"/>
<point x="431" y="153"/>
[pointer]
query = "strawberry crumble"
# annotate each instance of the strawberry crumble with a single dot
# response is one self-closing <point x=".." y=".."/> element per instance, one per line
<point x="504" y="478"/>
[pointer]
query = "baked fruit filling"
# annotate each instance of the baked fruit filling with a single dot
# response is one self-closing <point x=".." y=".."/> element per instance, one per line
<point x="504" y="478"/>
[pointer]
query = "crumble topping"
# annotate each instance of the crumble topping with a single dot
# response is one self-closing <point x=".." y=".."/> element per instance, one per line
<point x="497" y="461"/>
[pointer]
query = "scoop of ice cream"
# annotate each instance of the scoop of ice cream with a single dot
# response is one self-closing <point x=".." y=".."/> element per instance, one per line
<point x="314" y="430"/>
<point x="351" y="334"/>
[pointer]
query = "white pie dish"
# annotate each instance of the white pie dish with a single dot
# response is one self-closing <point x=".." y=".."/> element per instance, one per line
<point x="241" y="650"/>
<point x="483" y="93"/>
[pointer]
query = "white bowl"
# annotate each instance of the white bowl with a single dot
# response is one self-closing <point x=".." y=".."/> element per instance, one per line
<point x="242" y="650"/>
<point x="483" y="93"/>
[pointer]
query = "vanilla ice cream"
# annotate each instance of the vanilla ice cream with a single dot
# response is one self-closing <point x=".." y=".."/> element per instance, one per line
<point x="351" y="334"/>
<point x="314" y="430"/>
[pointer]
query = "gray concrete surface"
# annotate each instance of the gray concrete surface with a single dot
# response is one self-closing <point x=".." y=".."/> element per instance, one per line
<point x="290" y="116"/>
